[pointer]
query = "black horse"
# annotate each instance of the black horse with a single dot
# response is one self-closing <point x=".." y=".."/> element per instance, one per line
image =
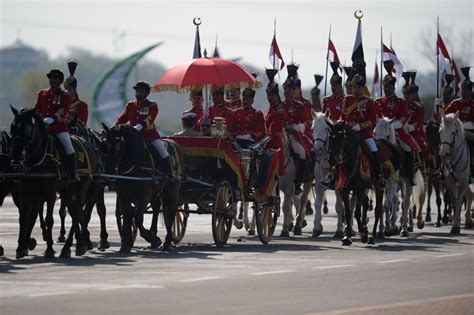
<point x="346" y="147"/>
<point x="95" y="192"/>
<point x="33" y="151"/>
<point x="134" y="160"/>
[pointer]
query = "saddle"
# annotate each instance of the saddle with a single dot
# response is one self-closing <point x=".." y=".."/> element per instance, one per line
<point x="84" y="165"/>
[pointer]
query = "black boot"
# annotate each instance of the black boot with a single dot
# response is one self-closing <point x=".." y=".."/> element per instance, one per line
<point x="410" y="168"/>
<point x="165" y="166"/>
<point x="379" y="170"/>
<point x="71" y="163"/>
<point x="299" y="175"/>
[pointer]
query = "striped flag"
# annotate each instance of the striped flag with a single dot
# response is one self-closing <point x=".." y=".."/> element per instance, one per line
<point x="332" y="53"/>
<point x="389" y="54"/>
<point x="197" y="45"/>
<point x="276" y="59"/>
<point x="358" y="52"/>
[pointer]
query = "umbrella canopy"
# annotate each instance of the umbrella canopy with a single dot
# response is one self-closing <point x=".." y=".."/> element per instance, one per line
<point x="203" y="71"/>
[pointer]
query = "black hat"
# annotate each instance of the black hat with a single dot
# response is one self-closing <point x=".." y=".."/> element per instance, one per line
<point x="272" y="87"/>
<point x="248" y="92"/>
<point x="358" y="80"/>
<point x="189" y="116"/>
<point x="142" y="85"/>
<point x="292" y="81"/>
<point x="71" y="80"/>
<point x="55" y="73"/>
<point x="414" y="87"/>
<point x="406" y="86"/>
<point x="350" y="74"/>
<point x="467" y="83"/>
<point x="335" y="78"/>
<point x="448" y="89"/>
<point x="388" y="79"/>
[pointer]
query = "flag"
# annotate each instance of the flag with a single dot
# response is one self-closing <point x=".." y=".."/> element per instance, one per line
<point x="457" y="77"/>
<point x="389" y="54"/>
<point x="443" y="55"/>
<point x="332" y="53"/>
<point x="197" y="45"/>
<point x="276" y="60"/>
<point x="358" y="52"/>
<point x="376" y="81"/>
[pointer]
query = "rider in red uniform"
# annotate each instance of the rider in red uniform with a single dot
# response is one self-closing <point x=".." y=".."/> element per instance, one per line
<point x="333" y="102"/>
<point x="447" y="97"/>
<point x="141" y="114"/>
<point x="275" y="117"/>
<point x="249" y="122"/>
<point x="78" y="107"/>
<point x="53" y="106"/>
<point x="393" y="107"/>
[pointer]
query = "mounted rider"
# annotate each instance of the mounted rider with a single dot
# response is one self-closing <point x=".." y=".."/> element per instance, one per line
<point x="141" y="114"/>
<point x="333" y="102"/>
<point x="53" y="106"/>
<point x="447" y="97"/>
<point x="249" y="121"/>
<point x="78" y="109"/>
<point x="395" y="108"/>
<point x="275" y="117"/>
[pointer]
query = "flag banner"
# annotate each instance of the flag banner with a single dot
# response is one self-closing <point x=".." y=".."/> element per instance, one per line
<point x="389" y="54"/>
<point x="332" y="53"/>
<point x="276" y="59"/>
<point x="376" y="82"/>
<point x="358" y="51"/>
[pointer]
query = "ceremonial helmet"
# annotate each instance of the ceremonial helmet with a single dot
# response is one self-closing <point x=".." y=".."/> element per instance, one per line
<point x="317" y="79"/>
<point x="272" y="87"/>
<point x="71" y="80"/>
<point x="389" y="79"/>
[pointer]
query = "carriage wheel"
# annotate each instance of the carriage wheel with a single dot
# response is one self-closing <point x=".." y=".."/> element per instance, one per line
<point x="180" y="223"/>
<point x="267" y="216"/>
<point x="223" y="213"/>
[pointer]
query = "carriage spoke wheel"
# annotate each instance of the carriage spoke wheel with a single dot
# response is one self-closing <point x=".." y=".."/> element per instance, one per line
<point x="223" y="214"/>
<point x="267" y="216"/>
<point x="180" y="223"/>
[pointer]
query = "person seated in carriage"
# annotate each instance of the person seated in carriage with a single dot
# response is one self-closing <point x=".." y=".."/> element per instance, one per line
<point x="249" y="121"/>
<point x="219" y="108"/>
<point x="141" y="114"/>
<point x="195" y="96"/>
<point x="275" y="117"/>
<point x="448" y="95"/>
<point x="52" y="105"/>
<point x="333" y="102"/>
<point x="234" y="102"/>
<point x="78" y="109"/>
<point x="188" y="122"/>
<point x="465" y="107"/>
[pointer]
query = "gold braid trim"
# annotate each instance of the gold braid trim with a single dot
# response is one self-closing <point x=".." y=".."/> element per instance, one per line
<point x="348" y="110"/>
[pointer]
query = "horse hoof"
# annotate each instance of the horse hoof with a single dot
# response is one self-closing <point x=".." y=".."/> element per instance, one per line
<point x="410" y="229"/>
<point x="325" y="210"/>
<point x="80" y="251"/>
<point x="241" y="216"/>
<point x="338" y="234"/>
<point x="297" y="231"/>
<point x="125" y="249"/>
<point x="167" y="247"/>
<point x="317" y="232"/>
<point x="468" y="225"/>
<point x="155" y="243"/>
<point x="404" y="234"/>
<point x="290" y="227"/>
<point x="437" y="224"/>
<point x="89" y="245"/>
<point x="353" y="233"/>
<point x="371" y="241"/>
<point x="420" y="225"/>
<point x="346" y="241"/>
<point x="428" y="217"/>
<point x="1" y="251"/>
<point x="455" y="230"/>
<point x="309" y="211"/>
<point x="380" y="236"/>
<point x="364" y="237"/>
<point x="445" y="220"/>
<point x="284" y="234"/>
<point x="251" y="232"/>
<point x="65" y="253"/>
<point x="49" y="254"/>
<point x="61" y="239"/>
<point x="20" y="253"/>
<point x="103" y="245"/>
<point x="32" y="244"/>
<point x="239" y="225"/>
<point x="305" y="223"/>
<point x="388" y="233"/>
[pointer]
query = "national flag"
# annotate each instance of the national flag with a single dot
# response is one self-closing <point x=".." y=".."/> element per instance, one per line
<point x="443" y="55"/>
<point x="389" y="54"/>
<point x="457" y="77"/>
<point x="276" y="59"/>
<point x="358" y="51"/>
<point x="332" y="53"/>
<point x="197" y="45"/>
<point x="376" y="81"/>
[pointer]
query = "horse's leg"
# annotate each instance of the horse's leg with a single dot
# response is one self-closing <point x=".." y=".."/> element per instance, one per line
<point x="101" y="211"/>
<point x="439" y="201"/>
<point x="87" y="213"/>
<point x="127" y="240"/>
<point x="23" y="209"/>
<point x="361" y="217"/>
<point x="468" y="215"/>
<point x="245" y="210"/>
<point x="420" y="197"/>
<point x="347" y="239"/>
<point x="405" y="209"/>
<point x="287" y="204"/>
<point x="463" y="185"/>
<point x="170" y="205"/>
<point x="318" y="202"/>
<point x="156" y="205"/>
<point x="62" y="216"/>
<point x="49" y="222"/>
<point x="33" y="215"/>
<point x="378" y="213"/>
<point x="428" y="205"/>
<point x="301" y="209"/>
<point x="339" y="211"/>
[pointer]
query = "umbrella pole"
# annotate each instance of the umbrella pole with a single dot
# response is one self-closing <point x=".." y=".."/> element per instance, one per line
<point x="206" y="112"/>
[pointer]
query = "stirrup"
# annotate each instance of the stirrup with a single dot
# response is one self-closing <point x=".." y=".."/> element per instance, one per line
<point x="327" y="182"/>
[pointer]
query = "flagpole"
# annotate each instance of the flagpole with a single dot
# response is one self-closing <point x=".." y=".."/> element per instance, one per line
<point x="381" y="60"/>
<point x="274" y="37"/>
<point x="327" y="61"/>
<point x="437" y="58"/>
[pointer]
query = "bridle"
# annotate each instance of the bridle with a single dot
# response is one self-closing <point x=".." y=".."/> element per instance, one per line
<point x="456" y="152"/>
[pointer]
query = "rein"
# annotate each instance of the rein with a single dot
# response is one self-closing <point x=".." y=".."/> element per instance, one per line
<point x="458" y="152"/>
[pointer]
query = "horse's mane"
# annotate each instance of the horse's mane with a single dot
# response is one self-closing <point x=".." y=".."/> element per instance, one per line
<point x="134" y="150"/>
<point x="27" y="113"/>
<point x="450" y="121"/>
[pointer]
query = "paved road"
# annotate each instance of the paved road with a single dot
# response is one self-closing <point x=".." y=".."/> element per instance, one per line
<point x="428" y="273"/>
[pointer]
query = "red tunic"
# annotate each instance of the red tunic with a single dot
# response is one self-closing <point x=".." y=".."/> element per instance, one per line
<point x="249" y="121"/>
<point x="296" y="114"/>
<point x="224" y="112"/>
<point x="199" y="116"/>
<point x="234" y="104"/>
<point x="393" y="107"/>
<point x="465" y="108"/>
<point x="275" y="119"/>
<point x="141" y="113"/>
<point x="308" y="110"/>
<point x="417" y="118"/>
<point x="56" y="103"/>
<point x="334" y="104"/>
<point x="360" y="110"/>
<point x="80" y="110"/>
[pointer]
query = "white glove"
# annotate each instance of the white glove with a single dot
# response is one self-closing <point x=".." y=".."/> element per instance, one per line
<point x="397" y="124"/>
<point x="298" y="127"/>
<point x="244" y="137"/>
<point x="48" y="120"/>
<point x="468" y="125"/>
<point x="409" y="127"/>
<point x="356" y="127"/>
<point x="138" y="127"/>
<point x="437" y="101"/>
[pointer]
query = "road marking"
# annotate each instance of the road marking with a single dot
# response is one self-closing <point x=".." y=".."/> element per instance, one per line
<point x="200" y="279"/>
<point x="449" y="255"/>
<point x="333" y="266"/>
<point x="130" y="286"/>
<point x="390" y="261"/>
<point x="270" y="272"/>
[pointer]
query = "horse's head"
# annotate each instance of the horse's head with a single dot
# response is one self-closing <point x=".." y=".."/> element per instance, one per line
<point x="337" y="137"/>
<point x="27" y="131"/>
<point x="76" y="127"/>
<point x="125" y="144"/>
<point x="384" y="130"/>
<point x="321" y="130"/>
<point x="432" y="137"/>
<point x="451" y="132"/>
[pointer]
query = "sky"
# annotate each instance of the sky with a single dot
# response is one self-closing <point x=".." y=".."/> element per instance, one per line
<point x="244" y="27"/>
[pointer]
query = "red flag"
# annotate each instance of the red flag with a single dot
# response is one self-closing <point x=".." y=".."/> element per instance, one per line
<point x="276" y="59"/>
<point x="376" y="82"/>
<point x="332" y="53"/>
<point x="457" y="77"/>
<point x="389" y="54"/>
<point x="442" y="48"/>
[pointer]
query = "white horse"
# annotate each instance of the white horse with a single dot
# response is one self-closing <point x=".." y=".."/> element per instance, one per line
<point x="454" y="153"/>
<point x="321" y="132"/>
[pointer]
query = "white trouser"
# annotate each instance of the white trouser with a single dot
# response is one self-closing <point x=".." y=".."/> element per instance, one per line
<point x="298" y="148"/>
<point x="66" y="142"/>
<point x="405" y="147"/>
<point x="160" y="148"/>
<point x="371" y="143"/>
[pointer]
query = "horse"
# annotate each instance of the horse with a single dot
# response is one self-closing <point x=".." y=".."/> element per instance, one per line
<point x="321" y="132"/>
<point x="33" y="150"/>
<point x="455" y="155"/>
<point x="95" y="193"/>
<point x="134" y="160"/>
<point x="347" y="148"/>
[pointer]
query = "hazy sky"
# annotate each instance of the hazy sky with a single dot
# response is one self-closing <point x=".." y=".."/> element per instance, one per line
<point x="245" y="28"/>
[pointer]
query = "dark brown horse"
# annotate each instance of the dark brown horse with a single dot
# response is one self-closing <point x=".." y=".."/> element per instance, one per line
<point x="33" y="151"/>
